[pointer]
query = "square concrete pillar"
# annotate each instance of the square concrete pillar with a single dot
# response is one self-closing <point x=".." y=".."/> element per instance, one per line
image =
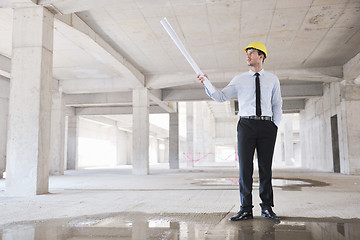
<point x="29" y="123"/>
<point x="349" y="128"/>
<point x="72" y="137"/>
<point x="163" y="143"/>
<point x="140" y="153"/>
<point x="57" y="134"/>
<point x="198" y="133"/>
<point x="140" y="230"/>
<point x="153" y="150"/>
<point x="4" y="108"/>
<point x="174" y="141"/>
<point x="25" y="232"/>
<point x="288" y="139"/>
<point x="122" y="147"/>
<point x="189" y="154"/>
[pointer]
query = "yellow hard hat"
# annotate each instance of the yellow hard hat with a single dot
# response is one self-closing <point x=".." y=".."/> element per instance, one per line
<point x="257" y="45"/>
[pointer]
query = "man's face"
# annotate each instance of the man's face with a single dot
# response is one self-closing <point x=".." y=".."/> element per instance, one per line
<point x="253" y="58"/>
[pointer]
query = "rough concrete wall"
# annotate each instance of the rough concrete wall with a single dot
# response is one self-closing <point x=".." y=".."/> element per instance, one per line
<point x="315" y="129"/>
<point x="350" y="94"/>
<point x="4" y="108"/>
<point x="343" y="100"/>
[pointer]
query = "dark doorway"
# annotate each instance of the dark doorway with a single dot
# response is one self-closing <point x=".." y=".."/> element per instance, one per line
<point x="335" y="143"/>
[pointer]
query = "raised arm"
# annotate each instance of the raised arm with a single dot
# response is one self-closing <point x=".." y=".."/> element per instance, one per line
<point x="218" y="95"/>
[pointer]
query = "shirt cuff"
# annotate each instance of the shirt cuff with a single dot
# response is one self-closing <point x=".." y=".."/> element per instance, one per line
<point x="210" y="88"/>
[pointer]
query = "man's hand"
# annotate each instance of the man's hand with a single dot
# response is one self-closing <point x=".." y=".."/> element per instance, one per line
<point x="201" y="78"/>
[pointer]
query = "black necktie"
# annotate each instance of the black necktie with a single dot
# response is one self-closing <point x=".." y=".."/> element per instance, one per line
<point x="257" y="89"/>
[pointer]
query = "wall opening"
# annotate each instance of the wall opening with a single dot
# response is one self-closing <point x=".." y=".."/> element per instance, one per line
<point x="335" y="143"/>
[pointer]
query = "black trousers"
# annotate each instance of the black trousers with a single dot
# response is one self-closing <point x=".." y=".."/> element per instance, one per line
<point x="259" y="135"/>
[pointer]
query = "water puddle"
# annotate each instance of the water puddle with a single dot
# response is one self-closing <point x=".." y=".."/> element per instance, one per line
<point x="139" y="226"/>
<point x="283" y="183"/>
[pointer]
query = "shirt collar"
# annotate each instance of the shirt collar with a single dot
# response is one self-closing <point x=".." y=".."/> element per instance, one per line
<point x="251" y="73"/>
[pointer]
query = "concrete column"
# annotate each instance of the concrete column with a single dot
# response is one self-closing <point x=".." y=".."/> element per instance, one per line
<point x="288" y="139"/>
<point x="57" y="134"/>
<point x="29" y="123"/>
<point x="349" y="127"/>
<point x="166" y="150"/>
<point x="140" y="152"/>
<point x="4" y="108"/>
<point x="162" y="150"/>
<point x="189" y="134"/>
<point x="140" y="230"/>
<point x="210" y="126"/>
<point x="174" y="141"/>
<point x="122" y="147"/>
<point x="72" y="142"/>
<point x="198" y="133"/>
<point x="25" y="232"/>
<point x="208" y="146"/>
<point x="153" y="151"/>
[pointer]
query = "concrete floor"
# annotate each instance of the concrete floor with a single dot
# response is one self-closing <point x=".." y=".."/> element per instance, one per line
<point x="182" y="204"/>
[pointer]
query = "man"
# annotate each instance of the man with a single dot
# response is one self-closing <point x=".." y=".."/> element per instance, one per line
<point x="260" y="110"/>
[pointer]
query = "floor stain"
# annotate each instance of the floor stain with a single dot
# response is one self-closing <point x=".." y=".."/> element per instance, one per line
<point x="286" y="184"/>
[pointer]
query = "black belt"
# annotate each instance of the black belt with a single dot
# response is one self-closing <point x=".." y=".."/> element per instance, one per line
<point x="258" y="118"/>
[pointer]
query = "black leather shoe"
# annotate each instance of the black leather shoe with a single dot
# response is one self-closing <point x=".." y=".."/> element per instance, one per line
<point x="242" y="215"/>
<point x="268" y="213"/>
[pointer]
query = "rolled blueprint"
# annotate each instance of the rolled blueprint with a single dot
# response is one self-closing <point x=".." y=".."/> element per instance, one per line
<point x="181" y="47"/>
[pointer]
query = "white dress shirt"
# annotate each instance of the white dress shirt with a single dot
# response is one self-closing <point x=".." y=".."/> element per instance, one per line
<point x="244" y="86"/>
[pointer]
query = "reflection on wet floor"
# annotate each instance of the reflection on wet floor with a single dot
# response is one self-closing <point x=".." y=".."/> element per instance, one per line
<point x="283" y="183"/>
<point x="138" y="226"/>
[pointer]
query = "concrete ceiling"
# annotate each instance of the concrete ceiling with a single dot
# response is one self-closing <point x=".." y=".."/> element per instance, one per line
<point x="103" y="49"/>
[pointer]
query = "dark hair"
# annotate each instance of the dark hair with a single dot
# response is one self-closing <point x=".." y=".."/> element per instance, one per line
<point x="259" y="52"/>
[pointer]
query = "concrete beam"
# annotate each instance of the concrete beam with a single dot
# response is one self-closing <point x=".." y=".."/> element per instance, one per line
<point x="293" y="105"/>
<point x="77" y="86"/>
<point x="287" y="91"/>
<point x="70" y="111"/>
<point x="325" y="74"/>
<point x="23" y="3"/>
<point x="191" y="94"/>
<point x="5" y="66"/>
<point x="4" y="87"/>
<point x="98" y="99"/>
<point x="113" y="99"/>
<point x="157" y="82"/>
<point x="302" y="91"/>
<point x="71" y="6"/>
<point x="102" y="120"/>
<point x="83" y="111"/>
<point x="5" y="4"/>
<point x="98" y="111"/>
<point x="156" y="96"/>
<point x="352" y="68"/>
<point x="72" y="25"/>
